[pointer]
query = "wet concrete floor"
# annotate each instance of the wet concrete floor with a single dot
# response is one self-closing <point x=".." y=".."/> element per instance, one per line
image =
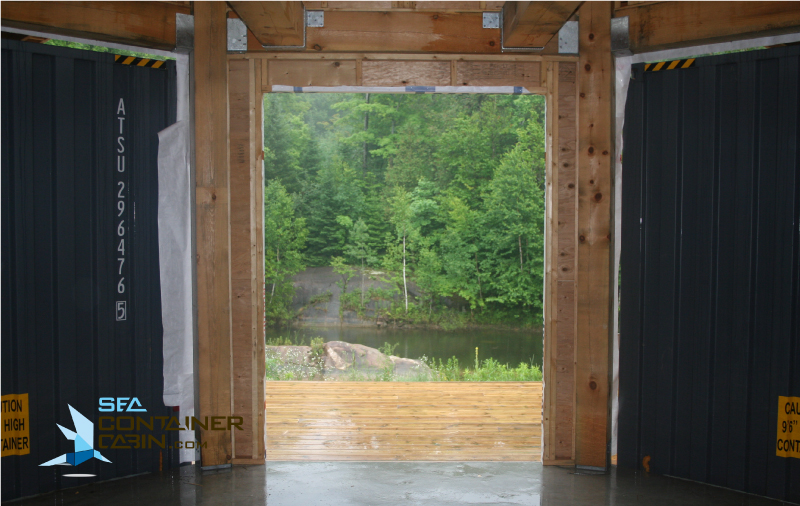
<point x="397" y="483"/>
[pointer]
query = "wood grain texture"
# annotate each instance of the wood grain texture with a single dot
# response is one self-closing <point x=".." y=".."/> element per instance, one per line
<point x="664" y="25"/>
<point x="550" y="421"/>
<point x="405" y="73"/>
<point x="534" y="24"/>
<point x="498" y="74"/>
<point x="244" y="87"/>
<point x="595" y="148"/>
<point x="143" y="24"/>
<point x="273" y="23"/>
<point x="398" y="32"/>
<point x="406" y="6"/>
<point x="312" y="73"/>
<point x="212" y="215"/>
<point x="403" y="421"/>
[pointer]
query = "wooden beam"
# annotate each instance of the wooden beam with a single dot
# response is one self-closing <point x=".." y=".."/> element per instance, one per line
<point x="273" y="23"/>
<point x="665" y="25"/>
<point x="533" y="24"/>
<point x="405" y="6"/>
<point x="212" y="214"/>
<point x="595" y="176"/>
<point x="143" y="24"/>
<point x="399" y="32"/>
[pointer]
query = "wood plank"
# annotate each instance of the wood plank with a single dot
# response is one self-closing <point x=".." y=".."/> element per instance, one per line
<point x="665" y="25"/>
<point x="143" y="24"/>
<point x="313" y="73"/>
<point x="273" y="23"/>
<point x="366" y="421"/>
<point x="595" y="148"/>
<point x="361" y="55"/>
<point x="498" y="74"/>
<point x="213" y="259"/>
<point x="405" y="73"/>
<point x="534" y="24"/>
<point x="549" y="420"/>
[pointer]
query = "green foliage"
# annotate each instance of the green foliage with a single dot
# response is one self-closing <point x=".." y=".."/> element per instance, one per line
<point x="388" y="349"/>
<point x="103" y="49"/>
<point x="284" y="239"/>
<point x="445" y="193"/>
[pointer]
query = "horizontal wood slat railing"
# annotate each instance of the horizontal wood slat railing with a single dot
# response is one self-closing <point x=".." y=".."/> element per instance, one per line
<point x="480" y="421"/>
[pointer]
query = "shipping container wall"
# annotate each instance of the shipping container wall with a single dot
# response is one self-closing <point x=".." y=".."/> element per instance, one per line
<point x="81" y="304"/>
<point x="709" y="270"/>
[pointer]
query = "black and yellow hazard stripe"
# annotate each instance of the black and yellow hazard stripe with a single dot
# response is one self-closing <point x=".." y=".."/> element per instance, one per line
<point x="138" y="62"/>
<point x="669" y="65"/>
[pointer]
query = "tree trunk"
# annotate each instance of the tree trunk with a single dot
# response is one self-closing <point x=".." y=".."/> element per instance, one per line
<point x="278" y="251"/>
<point x="362" y="282"/>
<point x="405" y="288"/>
<point x="480" y="289"/>
<point x="519" y="238"/>
<point x="366" y="126"/>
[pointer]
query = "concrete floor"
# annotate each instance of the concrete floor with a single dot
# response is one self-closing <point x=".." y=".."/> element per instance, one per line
<point x="396" y="483"/>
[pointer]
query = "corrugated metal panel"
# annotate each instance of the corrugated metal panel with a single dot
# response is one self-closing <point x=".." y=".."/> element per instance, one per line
<point x="710" y="270"/>
<point x="61" y="341"/>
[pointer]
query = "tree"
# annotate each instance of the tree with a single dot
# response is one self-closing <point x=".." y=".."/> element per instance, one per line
<point x="284" y="239"/>
<point x="358" y="247"/>
<point x="400" y="215"/>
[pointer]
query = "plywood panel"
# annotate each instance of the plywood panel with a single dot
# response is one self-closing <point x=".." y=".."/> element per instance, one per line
<point x="405" y="73"/>
<point x="473" y="73"/>
<point x="313" y="73"/>
<point x="497" y="421"/>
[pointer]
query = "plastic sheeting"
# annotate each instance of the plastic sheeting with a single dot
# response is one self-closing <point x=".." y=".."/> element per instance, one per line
<point x="175" y="256"/>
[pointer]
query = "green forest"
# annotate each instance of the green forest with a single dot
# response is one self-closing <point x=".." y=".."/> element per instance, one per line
<point x="442" y="191"/>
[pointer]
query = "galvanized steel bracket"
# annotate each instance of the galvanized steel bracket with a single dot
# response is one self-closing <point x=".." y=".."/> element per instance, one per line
<point x="237" y="36"/>
<point x="315" y="19"/>
<point x="184" y="33"/>
<point x="491" y="20"/>
<point x="568" y="38"/>
<point x="620" y="36"/>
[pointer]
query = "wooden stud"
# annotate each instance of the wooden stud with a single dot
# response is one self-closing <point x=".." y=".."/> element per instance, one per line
<point x="595" y="175"/>
<point x="212" y="214"/>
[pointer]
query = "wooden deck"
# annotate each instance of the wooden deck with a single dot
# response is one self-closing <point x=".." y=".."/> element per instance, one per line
<point x="310" y="420"/>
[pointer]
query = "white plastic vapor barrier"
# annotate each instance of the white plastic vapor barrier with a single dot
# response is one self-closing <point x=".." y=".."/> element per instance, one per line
<point x="497" y="90"/>
<point x="174" y="248"/>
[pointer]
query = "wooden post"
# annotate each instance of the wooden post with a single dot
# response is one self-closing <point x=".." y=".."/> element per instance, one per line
<point x="247" y="258"/>
<point x="212" y="213"/>
<point x="595" y="176"/>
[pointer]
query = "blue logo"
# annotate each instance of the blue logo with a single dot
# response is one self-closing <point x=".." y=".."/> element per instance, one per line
<point x="84" y="442"/>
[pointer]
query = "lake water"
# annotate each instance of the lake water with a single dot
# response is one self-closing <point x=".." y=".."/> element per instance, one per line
<point x="506" y="346"/>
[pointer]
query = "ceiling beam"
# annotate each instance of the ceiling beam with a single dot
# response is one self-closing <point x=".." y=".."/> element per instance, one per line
<point x="406" y="6"/>
<point x="143" y="24"/>
<point x="273" y="23"/>
<point x="666" y="25"/>
<point x="533" y="24"/>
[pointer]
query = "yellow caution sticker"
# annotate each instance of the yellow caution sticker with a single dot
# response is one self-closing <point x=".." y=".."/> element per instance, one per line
<point x="16" y="425"/>
<point x="788" y="427"/>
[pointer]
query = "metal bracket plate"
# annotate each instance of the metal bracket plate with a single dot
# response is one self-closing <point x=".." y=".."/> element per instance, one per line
<point x="315" y="19"/>
<point x="237" y="36"/>
<point x="184" y="32"/>
<point x="568" y="38"/>
<point x="620" y="36"/>
<point x="491" y="20"/>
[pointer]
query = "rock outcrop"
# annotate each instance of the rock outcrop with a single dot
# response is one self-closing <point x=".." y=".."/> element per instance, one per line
<point x="341" y="361"/>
